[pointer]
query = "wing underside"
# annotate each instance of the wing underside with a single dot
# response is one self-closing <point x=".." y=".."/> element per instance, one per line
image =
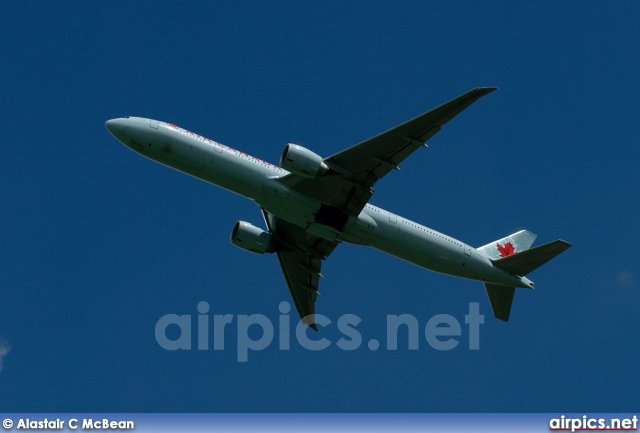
<point x="355" y="170"/>
<point x="300" y="255"/>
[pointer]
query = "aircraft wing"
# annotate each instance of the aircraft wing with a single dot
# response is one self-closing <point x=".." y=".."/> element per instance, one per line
<point x="300" y="256"/>
<point x="355" y="170"/>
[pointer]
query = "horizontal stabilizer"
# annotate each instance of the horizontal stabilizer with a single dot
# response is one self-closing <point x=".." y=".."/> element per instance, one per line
<point x="529" y="260"/>
<point x="500" y="298"/>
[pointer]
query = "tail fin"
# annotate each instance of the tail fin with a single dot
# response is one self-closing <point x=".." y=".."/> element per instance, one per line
<point x="512" y="244"/>
<point x="501" y="297"/>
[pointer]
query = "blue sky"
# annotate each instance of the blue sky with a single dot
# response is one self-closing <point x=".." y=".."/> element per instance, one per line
<point x="99" y="243"/>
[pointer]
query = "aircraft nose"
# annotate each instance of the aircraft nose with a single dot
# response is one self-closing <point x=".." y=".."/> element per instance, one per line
<point x="117" y="127"/>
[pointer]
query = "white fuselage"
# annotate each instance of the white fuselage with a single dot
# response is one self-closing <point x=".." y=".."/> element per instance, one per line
<point x="256" y="180"/>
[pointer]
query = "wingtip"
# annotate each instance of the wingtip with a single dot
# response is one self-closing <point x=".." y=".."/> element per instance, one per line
<point x="487" y="89"/>
<point x="565" y="244"/>
<point x="308" y="320"/>
<point x="478" y="92"/>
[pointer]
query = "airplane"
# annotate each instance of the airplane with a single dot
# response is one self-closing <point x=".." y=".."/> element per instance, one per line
<point x="311" y="204"/>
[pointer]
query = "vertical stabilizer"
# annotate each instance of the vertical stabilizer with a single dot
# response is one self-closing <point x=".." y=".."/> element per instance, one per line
<point x="515" y="243"/>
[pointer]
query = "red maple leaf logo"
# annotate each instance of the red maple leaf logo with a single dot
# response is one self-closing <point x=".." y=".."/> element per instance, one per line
<point x="506" y="249"/>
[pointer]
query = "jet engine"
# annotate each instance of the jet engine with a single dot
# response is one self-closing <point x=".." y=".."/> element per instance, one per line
<point x="301" y="161"/>
<point x="251" y="238"/>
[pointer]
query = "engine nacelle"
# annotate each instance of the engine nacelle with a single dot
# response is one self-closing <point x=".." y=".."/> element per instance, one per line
<point x="301" y="161"/>
<point x="251" y="238"/>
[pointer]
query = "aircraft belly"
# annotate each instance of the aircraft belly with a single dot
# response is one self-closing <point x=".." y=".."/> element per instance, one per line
<point x="221" y="171"/>
<point x="428" y="249"/>
<point x="200" y="160"/>
<point x="281" y="201"/>
<point x="361" y="230"/>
